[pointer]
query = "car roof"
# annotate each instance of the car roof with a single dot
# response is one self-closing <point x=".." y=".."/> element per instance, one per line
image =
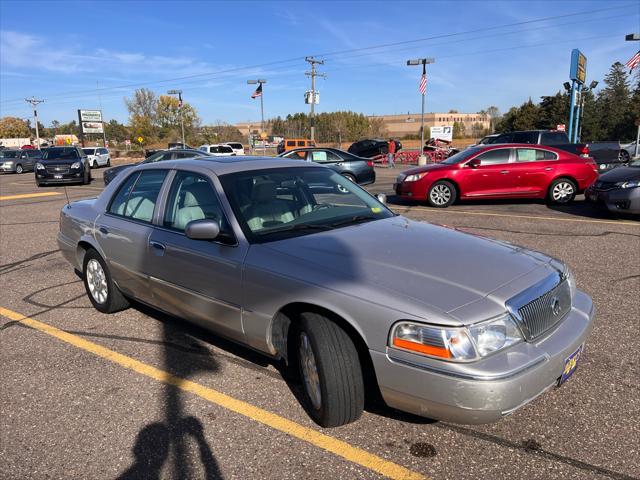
<point x="496" y="146"/>
<point x="224" y="165"/>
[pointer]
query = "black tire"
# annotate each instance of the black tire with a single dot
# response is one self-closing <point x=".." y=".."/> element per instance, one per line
<point x="338" y="369"/>
<point x="109" y="162"/>
<point x="19" y="169"/>
<point x="562" y="191"/>
<point x="624" y="156"/>
<point x="40" y="185"/>
<point x="86" y="178"/>
<point x="114" y="301"/>
<point x="95" y="164"/>
<point x="348" y="176"/>
<point x="442" y="194"/>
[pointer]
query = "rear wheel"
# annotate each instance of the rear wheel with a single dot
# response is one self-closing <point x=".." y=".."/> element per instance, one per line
<point x="101" y="290"/>
<point x="348" y="176"/>
<point x="624" y="156"/>
<point x="109" y="162"/>
<point x="442" y="194"/>
<point x="330" y="371"/>
<point x="562" y="191"/>
<point x="19" y="169"/>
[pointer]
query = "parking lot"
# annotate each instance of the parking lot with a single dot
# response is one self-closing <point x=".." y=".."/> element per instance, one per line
<point x="139" y="394"/>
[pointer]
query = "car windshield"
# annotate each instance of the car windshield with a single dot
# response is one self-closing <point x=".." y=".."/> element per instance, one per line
<point x="8" y="154"/>
<point x="89" y="151"/>
<point x="153" y="158"/>
<point x="285" y="202"/>
<point x="461" y="156"/>
<point x="59" y="153"/>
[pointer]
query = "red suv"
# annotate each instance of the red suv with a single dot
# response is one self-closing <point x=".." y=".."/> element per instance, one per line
<point x="499" y="171"/>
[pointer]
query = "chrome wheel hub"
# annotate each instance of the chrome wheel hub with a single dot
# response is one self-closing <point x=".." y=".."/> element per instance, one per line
<point x="97" y="281"/>
<point x="440" y="194"/>
<point x="562" y="191"/>
<point x="310" y="372"/>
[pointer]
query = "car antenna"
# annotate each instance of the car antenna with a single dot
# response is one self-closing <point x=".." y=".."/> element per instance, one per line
<point x="66" y="195"/>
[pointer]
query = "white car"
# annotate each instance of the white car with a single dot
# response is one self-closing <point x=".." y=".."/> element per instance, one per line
<point x="98" y="156"/>
<point x="218" y="150"/>
<point x="237" y="147"/>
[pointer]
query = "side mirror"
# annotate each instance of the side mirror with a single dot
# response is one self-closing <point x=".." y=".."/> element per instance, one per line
<point x="475" y="163"/>
<point x="382" y="198"/>
<point x="202" y="230"/>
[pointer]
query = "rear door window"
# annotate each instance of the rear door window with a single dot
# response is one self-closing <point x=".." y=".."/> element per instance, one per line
<point x="324" y="156"/>
<point x="136" y="198"/>
<point x="495" y="157"/>
<point x="529" y="155"/>
<point x="525" y="137"/>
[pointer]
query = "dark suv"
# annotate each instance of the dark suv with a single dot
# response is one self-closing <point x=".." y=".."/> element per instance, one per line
<point x="63" y="165"/>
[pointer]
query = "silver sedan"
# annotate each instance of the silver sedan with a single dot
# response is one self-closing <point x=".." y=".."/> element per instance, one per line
<point x="296" y="261"/>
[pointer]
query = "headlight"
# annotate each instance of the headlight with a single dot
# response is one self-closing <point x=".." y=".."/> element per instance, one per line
<point x="75" y="165"/>
<point x="628" y="184"/>
<point x="9" y="163"/>
<point x="494" y="335"/>
<point x="456" y="344"/>
<point x="415" y="177"/>
<point x="39" y="166"/>
<point x="603" y="166"/>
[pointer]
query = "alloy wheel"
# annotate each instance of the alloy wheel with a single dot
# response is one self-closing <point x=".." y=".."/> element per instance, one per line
<point x="562" y="191"/>
<point x="440" y="194"/>
<point x="310" y="373"/>
<point x="97" y="281"/>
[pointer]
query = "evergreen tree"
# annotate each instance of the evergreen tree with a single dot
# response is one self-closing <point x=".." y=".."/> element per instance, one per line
<point x="614" y="105"/>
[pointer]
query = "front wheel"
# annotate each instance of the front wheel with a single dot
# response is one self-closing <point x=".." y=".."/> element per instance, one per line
<point x="562" y="191"/>
<point x="624" y="156"/>
<point x="330" y="371"/>
<point x="348" y="176"/>
<point x="441" y="194"/>
<point x="101" y="290"/>
<point x="19" y="169"/>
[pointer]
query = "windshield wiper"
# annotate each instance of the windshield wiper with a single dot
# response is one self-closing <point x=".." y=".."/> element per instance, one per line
<point x="353" y="220"/>
<point x="299" y="226"/>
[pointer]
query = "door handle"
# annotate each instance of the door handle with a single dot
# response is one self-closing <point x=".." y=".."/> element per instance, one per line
<point x="103" y="230"/>
<point x="157" y="245"/>
<point x="504" y="172"/>
<point x="548" y="169"/>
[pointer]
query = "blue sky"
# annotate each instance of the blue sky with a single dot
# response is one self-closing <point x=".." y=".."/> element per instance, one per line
<point x="60" y="50"/>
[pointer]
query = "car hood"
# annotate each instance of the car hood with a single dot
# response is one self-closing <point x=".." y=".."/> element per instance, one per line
<point x="119" y="168"/>
<point x="421" y="263"/>
<point x="426" y="168"/>
<point x="58" y="161"/>
<point x="621" y="174"/>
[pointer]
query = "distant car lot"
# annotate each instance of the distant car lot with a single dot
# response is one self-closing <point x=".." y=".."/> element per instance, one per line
<point x="66" y="403"/>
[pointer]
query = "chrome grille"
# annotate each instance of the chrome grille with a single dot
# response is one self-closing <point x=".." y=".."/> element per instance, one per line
<point x="57" y="169"/>
<point x="546" y="311"/>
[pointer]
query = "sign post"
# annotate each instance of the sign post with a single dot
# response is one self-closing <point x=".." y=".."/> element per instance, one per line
<point x="578" y="75"/>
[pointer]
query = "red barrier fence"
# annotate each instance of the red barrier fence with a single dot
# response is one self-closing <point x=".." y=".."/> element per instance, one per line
<point x="410" y="157"/>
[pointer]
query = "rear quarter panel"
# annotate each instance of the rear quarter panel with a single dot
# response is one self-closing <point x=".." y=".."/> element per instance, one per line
<point x="77" y="222"/>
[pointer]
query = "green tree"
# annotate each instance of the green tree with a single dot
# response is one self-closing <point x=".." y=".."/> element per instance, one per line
<point x="143" y="104"/>
<point x="553" y="110"/>
<point x="114" y="130"/>
<point x="527" y="116"/>
<point x="614" y="105"/>
<point x="459" y="130"/>
<point x="13" y="127"/>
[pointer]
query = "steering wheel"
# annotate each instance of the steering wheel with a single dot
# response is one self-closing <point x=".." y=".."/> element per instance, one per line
<point x="321" y="206"/>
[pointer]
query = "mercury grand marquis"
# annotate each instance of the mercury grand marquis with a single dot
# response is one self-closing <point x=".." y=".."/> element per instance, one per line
<point x="295" y="261"/>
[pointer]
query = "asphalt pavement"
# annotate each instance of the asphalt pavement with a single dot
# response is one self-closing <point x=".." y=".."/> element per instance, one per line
<point x="140" y="394"/>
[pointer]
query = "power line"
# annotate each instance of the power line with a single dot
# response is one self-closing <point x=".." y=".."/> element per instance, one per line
<point x="339" y="52"/>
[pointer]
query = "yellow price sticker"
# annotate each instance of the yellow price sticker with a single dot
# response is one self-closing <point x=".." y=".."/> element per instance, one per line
<point x="376" y="209"/>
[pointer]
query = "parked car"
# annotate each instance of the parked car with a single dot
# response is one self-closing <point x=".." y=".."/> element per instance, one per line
<point x="499" y="171"/>
<point x="19" y="161"/>
<point x="218" y="150"/>
<point x="158" y="156"/>
<point x="98" y="156"/>
<point x="486" y="140"/>
<point x="372" y="148"/>
<point x="618" y="190"/>
<point x="237" y="147"/>
<point x="293" y="260"/>
<point x="357" y="169"/>
<point x="291" y="143"/>
<point x="63" y="165"/>
<point x="627" y="152"/>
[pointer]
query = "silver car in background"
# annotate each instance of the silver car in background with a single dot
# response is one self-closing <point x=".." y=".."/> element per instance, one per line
<point x="296" y="261"/>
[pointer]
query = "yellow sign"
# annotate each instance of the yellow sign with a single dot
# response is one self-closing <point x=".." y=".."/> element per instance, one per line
<point x="68" y="141"/>
<point x="140" y="139"/>
<point x="263" y="135"/>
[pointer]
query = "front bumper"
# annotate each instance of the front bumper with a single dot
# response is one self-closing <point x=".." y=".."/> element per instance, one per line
<point x="71" y="177"/>
<point x="619" y="200"/>
<point x="487" y="390"/>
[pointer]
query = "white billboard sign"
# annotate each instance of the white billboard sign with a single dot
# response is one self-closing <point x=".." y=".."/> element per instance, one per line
<point x="90" y="115"/>
<point x="92" y="127"/>
<point x="443" y="133"/>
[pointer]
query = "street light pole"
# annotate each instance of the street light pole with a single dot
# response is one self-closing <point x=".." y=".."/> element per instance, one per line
<point x="33" y="101"/>
<point x="422" y="160"/>
<point x="179" y="93"/>
<point x="260" y="82"/>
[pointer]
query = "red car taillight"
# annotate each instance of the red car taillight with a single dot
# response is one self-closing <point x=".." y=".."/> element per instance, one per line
<point x="370" y="163"/>
<point x="584" y="151"/>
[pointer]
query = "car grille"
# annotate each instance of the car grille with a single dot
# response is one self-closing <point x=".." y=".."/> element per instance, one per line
<point x="546" y="311"/>
<point x="601" y="185"/>
<point x="57" y="169"/>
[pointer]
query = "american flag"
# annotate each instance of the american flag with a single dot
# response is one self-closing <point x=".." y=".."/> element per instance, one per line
<point x="423" y="84"/>
<point x="258" y="92"/>
<point x="633" y="61"/>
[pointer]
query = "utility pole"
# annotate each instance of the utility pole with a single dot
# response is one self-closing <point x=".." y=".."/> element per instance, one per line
<point x="260" y="93"/>
<point x="313" y="74"/>
<point x="33" y="101"/>
<point x="422" y="160"/>
<point x="179" y="93"/>
<point x="104" y="133"/>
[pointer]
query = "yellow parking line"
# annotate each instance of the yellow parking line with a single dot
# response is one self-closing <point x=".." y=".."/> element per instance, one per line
<point x="531" y="217"/>
<point x="338" y="447"/>
<point x="29" y="195"/>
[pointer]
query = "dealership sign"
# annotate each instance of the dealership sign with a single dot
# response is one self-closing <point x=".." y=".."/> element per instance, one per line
<point x="442" y="133"/>
<point x="578" y="70"/>
<point x="90" y="121"/>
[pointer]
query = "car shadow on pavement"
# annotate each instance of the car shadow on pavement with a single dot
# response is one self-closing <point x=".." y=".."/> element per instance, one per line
<point x="161" y="449"/>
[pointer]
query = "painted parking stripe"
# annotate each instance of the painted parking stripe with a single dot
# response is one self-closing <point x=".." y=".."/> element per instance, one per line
<point x="529" y="217"/>
<point x="29" y="195"/>
<point x="338" y="447"/>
